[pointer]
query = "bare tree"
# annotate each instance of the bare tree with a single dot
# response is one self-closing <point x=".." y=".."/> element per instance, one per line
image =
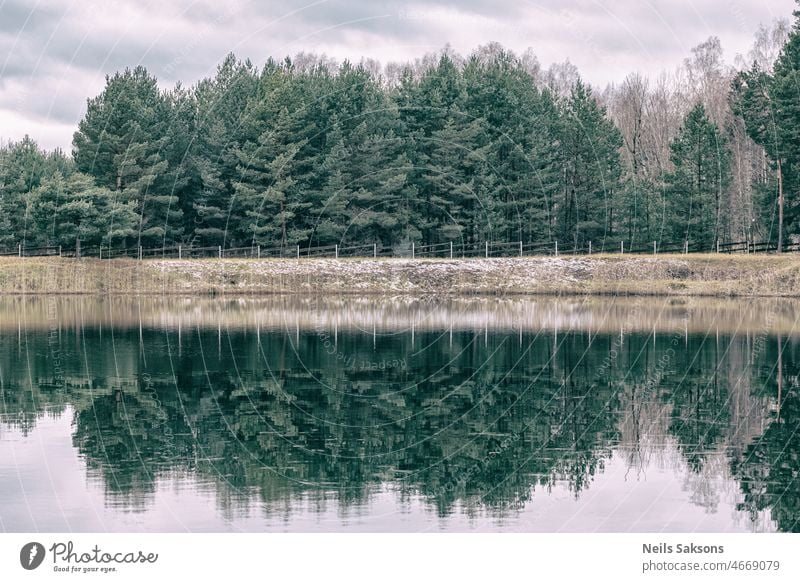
<point x="561" y="78"/>
<point x="768" y="44"/>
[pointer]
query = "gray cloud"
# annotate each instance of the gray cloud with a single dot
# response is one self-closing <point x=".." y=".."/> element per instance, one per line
<point x="16" y="16"/>
<point x="57" y="54"/>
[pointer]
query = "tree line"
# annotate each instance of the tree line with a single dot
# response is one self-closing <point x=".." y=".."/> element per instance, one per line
<point x="488" y="147"/>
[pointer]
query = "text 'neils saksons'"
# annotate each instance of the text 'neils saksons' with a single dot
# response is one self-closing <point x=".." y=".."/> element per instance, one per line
<point x="663" y="548"/>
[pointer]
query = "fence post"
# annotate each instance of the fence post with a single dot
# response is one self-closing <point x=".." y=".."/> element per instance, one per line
<point x="101" y="253"/>
<point x="374" y="250"/>
<point x="412" y="249"/>
<point x="298" y="251"/>
<point x="219" y="250"/>
<point x="487" y="249"/>
<point x="556" y="248"/>
<point x="337" y="251"/>
<point x="451" y="249"/>
<point x="59" y="251"/>
<point x="622" y="247"/>
<point x="520" y="248"/>
<point x="19" y="249"/>
<point x="180" y="252"/>
<point x="717" y="245"/>
<point x="686" y="247"/>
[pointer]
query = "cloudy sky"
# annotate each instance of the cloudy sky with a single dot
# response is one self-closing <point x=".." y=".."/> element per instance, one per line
<point x="55" y="53"/>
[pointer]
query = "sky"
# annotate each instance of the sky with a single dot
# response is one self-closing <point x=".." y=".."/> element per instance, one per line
<point x="54" y="54"/>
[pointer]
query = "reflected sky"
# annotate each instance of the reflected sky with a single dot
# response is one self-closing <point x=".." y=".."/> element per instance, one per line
<point x="48" y="490"/>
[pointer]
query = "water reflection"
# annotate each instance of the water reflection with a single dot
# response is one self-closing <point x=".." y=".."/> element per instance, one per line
<point x="409" y="414"/>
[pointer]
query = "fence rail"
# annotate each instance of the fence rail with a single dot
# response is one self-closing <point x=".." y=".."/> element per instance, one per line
<point x="21" y="251"/>
<point x="446" y="250"/>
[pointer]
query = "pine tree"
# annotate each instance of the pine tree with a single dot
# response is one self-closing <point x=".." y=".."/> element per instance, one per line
<point x="695" y="187"/>
<point x="221" y="106"/>
<point x="425" y="105"/>
<point x="123" y="143"/>
<point x="330" y="202"/>
<point x="590" y="145"/>
<point x="266" y="199"/>
<point x="457" y="168"/>
<point x="541" y="172"/>
<point x="380" y="209"/>
<point x="23" y="167"/>
<point x="768" y="104"/>
<point x="180" y="183"/>
<point x="68" y="209"/>
<point x="785" y="105"/>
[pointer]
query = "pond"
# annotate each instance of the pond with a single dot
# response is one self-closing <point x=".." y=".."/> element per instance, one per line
<point x="527" y="414"/>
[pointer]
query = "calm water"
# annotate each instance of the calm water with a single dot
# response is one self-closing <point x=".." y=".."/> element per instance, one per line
<point x="398" y="415"/>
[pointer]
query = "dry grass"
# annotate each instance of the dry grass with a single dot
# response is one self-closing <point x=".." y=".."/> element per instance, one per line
<point x="679" y="275"/>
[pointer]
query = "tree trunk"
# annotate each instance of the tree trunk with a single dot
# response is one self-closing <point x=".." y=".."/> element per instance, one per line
<point x="780" y="376"/>
<point x="780" y="208"/>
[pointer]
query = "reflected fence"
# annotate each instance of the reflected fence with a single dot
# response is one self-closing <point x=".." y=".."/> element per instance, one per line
<point x="445" y="250"/>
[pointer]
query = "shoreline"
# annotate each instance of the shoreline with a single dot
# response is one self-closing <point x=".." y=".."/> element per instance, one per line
<point x="597" y="275"/>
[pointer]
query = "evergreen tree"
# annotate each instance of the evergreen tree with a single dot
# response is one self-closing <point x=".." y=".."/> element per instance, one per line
<point x="590" y="145"/>
<point x="457" y="178"/>
<point x="768" y="104"/>
<point x="266" y="196"/>
<point x="785" y="105"/>
<point x="23" y="167"/>
<point x="695" y="187"/>
<point x="381" y="198"/>
<point x="180" y="183"/>
<point x="221" y="105"/>
<point x="329" y="206"/>
<point x="68" y="209"/>
<point x="123" y="143"/>
<point x="425" y="106"/>
<point x="751" y="101"/>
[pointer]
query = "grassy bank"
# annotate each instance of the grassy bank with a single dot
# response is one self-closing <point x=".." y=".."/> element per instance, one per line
<point x="679" y="275"/>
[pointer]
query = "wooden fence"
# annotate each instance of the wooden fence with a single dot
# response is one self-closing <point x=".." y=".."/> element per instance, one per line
<point x="447" y="250"/>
